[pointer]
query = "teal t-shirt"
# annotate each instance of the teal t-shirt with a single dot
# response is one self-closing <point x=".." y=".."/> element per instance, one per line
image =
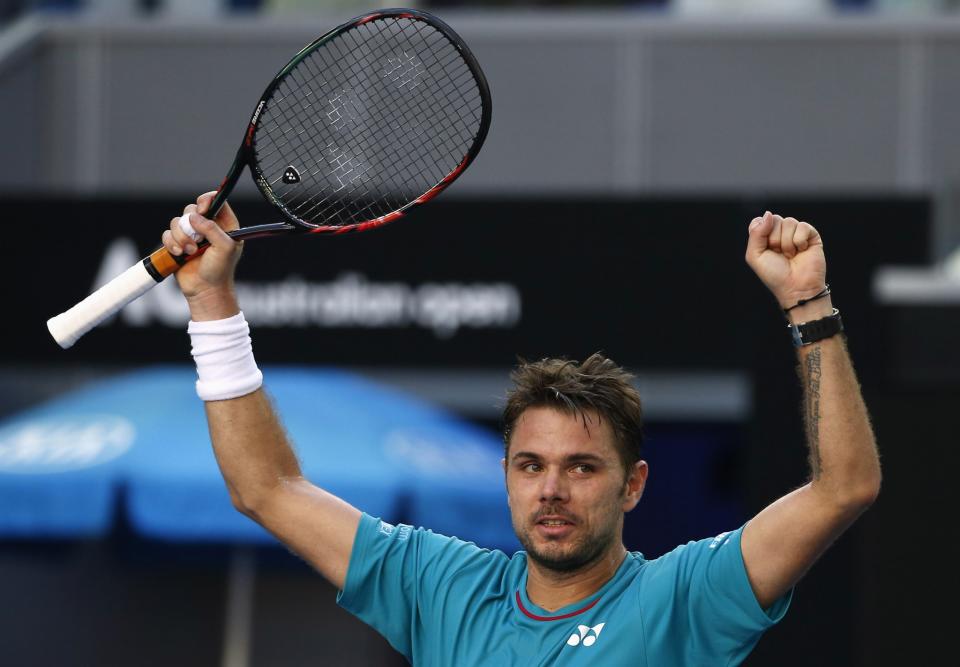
<point x="444" y="602"/>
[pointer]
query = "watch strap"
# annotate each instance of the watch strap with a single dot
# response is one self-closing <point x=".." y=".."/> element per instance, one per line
<point x="807" y="333"/>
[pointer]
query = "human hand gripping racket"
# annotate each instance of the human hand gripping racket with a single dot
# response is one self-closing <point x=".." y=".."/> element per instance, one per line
<point x="378" y="115"/>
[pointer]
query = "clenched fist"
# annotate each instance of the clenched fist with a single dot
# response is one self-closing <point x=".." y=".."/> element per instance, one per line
<point x="787" y="255"/>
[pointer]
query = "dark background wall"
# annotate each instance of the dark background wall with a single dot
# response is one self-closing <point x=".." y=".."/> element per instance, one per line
<point x="659" y="284"/>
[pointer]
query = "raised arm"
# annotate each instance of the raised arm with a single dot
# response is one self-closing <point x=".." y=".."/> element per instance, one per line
<point x="781" y="543"/>
<point x="257" y="462"/>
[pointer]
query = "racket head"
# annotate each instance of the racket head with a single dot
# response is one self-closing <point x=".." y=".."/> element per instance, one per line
<point x="378" y="115"/>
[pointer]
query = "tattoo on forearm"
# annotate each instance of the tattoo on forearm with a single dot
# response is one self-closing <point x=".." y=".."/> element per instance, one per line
<point x="811" y="408"/>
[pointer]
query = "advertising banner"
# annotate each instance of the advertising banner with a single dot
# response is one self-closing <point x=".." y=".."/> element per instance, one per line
<point x="657" y="284"/>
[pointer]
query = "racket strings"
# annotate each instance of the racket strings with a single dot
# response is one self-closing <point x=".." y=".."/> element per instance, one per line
<point x="352" y="196"/>
<point x="314" y="134"/>
<point x="452" y="114"/>
<point x="370" y="121"/>
<point x="424" y="166"/>
<point x="335" y="154"/>
<point x="422" y="171"/>
<point x="348" y="196"/>
<point x="466" y="74"/>
<point x="389" y="174"/>
<point x="401" y="160"/>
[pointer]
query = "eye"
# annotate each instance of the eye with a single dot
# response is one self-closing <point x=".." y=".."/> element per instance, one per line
<point x="583" y="468"/>
<point x="531" y="466"/>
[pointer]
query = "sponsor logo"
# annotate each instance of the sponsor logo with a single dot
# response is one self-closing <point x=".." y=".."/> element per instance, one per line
<point x="387" y="530"/>
<point x="344" y="109"/>
<point x="585" y="635"/>
<point x="720" y="540"/>
<point x="59" y="444"/>
<point x="266" y="189"/>
<point x="350" y="300"/>
<point x="256" y="114"/>
<point x="404" y="70"/>
<point x="345" y="167"/>
<point x="290" y="175"/>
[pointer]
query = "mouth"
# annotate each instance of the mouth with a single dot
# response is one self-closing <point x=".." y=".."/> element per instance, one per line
<point x="554" y="526"/>
<point x="551" y="521"/>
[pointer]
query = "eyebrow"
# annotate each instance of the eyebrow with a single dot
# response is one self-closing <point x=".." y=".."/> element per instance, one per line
<point x="573" y="458"/>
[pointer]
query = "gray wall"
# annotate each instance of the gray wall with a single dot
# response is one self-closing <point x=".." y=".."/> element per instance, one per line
<point x="598" y="103"/>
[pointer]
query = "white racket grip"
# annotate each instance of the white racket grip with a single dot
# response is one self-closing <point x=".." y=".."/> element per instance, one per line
<point x="67" y="327"/>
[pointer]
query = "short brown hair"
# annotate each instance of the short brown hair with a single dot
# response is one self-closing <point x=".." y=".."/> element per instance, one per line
<point x="595" y="385"/>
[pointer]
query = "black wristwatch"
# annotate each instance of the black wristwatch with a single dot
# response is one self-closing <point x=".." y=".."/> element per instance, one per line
<point x="810" y="332"/>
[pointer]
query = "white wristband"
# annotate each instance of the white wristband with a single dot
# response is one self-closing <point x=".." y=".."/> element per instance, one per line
<point x="223" y="353"/>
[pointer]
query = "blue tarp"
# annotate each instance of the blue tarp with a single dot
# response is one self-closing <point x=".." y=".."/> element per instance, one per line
<point x="139" y="441"/>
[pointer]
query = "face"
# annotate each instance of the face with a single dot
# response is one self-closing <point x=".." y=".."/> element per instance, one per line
<point x="566" y="488"/>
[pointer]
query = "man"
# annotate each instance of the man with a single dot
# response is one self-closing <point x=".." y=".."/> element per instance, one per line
<point x="572" y="464"/>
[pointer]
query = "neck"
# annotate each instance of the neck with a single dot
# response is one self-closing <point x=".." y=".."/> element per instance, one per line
<point x="552" y="590"/>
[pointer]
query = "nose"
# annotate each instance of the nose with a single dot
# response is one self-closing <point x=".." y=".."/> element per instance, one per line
<point x="554" y="487"/>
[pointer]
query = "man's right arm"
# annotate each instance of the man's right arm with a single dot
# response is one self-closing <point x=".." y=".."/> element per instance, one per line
<point x="265" y="483"/>
<point x="257" y="462"/>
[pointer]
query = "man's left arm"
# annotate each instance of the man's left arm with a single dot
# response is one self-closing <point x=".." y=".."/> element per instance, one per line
<point x="784" y="540"/>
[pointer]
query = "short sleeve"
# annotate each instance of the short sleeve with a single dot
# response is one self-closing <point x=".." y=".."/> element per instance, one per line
<point x="725" y="618"/>
<point x="698" y="606"/>
<point x="395" y="573"/>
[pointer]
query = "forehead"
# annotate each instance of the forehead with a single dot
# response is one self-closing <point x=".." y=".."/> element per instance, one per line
<point x="549" y="432"/>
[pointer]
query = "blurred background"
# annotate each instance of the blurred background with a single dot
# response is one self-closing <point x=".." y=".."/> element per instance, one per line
<point x="631" y="144"/>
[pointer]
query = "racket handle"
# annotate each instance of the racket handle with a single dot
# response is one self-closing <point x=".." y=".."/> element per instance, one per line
<point x="67" y="327"/>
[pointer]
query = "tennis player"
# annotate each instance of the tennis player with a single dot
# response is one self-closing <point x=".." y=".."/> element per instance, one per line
<point x="575" y="595"/>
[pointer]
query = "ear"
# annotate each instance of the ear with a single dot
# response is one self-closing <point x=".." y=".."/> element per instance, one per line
<point x="635" y="485"/>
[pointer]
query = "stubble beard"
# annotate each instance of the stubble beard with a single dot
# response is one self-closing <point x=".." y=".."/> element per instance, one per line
<point x="563" y="558"/>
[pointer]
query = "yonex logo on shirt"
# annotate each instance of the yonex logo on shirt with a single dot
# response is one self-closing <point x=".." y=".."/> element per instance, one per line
<point x="586" y="635"/>
<point x="387" y="530"/>
<point x="719" y="540"/>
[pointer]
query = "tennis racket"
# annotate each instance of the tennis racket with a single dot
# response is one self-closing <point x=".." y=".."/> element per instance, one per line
<point x="376" y="116"/>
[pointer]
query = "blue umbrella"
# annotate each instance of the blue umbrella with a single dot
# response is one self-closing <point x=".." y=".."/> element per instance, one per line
<point x="141" y="439"/>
